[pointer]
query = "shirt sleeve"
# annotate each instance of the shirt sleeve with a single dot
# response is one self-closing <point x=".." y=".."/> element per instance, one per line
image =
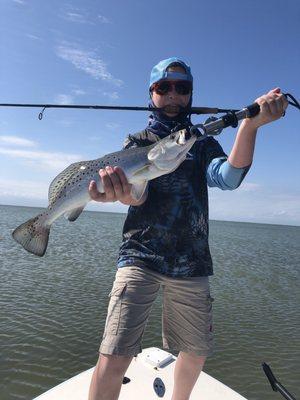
<point x="139" y="139"/>
<point x="130" y="142"/>
<point x="219" y="172"/>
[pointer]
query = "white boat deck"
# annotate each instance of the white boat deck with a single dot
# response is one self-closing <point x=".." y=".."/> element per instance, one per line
<point x="153" y="367"/>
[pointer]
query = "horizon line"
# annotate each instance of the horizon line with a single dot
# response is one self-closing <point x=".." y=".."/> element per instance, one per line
<point x="124" y="213"/>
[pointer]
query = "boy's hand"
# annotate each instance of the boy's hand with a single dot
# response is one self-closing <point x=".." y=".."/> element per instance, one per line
<point x="272" y="107"/>
<point x="116" y="187"/>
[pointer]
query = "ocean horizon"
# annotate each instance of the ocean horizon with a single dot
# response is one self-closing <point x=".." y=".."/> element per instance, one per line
<point x="125" y="213"/>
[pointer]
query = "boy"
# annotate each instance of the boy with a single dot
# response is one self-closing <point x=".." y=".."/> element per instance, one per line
<point x="165" y="237"/>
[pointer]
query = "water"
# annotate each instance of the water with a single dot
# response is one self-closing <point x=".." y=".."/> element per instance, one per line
<point x="52" y="309"/>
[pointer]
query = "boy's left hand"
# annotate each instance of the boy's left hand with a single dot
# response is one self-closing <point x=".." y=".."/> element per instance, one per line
<point x="272" y="107"/>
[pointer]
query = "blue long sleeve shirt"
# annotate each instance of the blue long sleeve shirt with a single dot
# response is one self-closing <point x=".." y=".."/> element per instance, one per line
<point x="221" y="174"/>
<point x="169" y="231"/>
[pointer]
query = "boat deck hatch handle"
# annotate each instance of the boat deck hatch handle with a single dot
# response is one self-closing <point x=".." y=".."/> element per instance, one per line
<point x="159" y="387"/>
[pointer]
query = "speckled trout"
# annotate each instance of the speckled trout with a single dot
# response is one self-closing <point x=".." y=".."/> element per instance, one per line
<point x="68" y="192"/>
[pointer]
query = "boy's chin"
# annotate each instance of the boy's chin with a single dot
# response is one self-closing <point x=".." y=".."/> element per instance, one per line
<point x="171" y="115"/>
<point x="172" y="110"/>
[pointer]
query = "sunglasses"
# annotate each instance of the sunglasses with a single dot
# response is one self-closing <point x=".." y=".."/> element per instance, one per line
<point x="164" y="87"/>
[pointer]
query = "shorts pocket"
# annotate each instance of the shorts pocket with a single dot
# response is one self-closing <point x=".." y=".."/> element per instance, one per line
<point x="209" y="313"/>
<point x="114" y="309"/>
<point x="118" y="290"/>
<point x="210" y="300"/>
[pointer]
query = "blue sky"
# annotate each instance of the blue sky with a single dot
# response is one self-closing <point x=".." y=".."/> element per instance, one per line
<point x="92" y="52"/>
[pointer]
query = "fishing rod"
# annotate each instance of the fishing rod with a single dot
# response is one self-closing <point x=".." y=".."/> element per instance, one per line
<point x="192" y="110"/>
<point x="214" y="126"/>
<point x="276" y="386"/>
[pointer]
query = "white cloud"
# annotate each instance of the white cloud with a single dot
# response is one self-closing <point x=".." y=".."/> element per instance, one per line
<point x="95" y="138"/>
<point x="262" y="206"/>
<point x="23" y="188"/>
<point x="35" y="193"/>
<point x="19" y="1"/>
<point x="82" y="16"/>
<point x="78" y="92"/>
<point x="64" y="99"/>
<point x="42" y="159"/>
<point x="112" y="125"/>
<point x="34" y="37"/>
<point x="249" y="187"/>
<point x="259" y="204"/>
<point x="77" y="17"/>
<point x="103" y="19"/>
<point x="111" y="95"/>
<point x="88" y="62"/>
<point x="17" y="141"/>
<point x="65" y="122"/>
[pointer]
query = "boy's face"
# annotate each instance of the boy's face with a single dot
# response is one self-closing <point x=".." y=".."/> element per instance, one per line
<point x="171" y="99"/>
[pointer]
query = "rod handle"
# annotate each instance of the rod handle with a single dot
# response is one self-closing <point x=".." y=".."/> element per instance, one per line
<point x="253" y="109"/>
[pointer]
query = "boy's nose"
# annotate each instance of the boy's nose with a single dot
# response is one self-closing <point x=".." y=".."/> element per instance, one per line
<point x="172" y="92"/>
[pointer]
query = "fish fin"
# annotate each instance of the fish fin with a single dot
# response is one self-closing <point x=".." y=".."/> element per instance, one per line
<point x="142" y="173"/>
<point x="72" y="215"/>
<point x="33" y="235"/>
<point x="138" y="189"/>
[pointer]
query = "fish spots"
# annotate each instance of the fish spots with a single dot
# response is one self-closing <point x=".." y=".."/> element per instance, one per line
<point x="111" y="160"/>
<point x="76" y="175"/>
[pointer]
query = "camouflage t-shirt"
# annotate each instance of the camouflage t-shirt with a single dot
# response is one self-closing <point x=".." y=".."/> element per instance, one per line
<point x="169" y="231"/>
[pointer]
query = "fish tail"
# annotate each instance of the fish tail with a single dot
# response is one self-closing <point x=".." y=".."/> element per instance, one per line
<point x="33" y="235"/>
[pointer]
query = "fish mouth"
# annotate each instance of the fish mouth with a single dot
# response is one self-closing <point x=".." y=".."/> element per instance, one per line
<point x="184" y="137"/>
<point x="186" y="141"/>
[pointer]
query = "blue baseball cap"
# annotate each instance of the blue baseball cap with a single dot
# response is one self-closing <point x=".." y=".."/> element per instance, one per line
<point x="159" y="71"/>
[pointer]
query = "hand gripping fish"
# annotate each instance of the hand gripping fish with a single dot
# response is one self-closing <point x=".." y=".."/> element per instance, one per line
<point x="68" y="192"/>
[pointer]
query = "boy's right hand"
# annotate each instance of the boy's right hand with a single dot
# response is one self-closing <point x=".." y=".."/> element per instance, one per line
<point x="116" y="187"/>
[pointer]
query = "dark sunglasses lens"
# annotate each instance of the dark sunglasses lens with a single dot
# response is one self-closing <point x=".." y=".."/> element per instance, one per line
<point x="183" y="87"/>
<point x="162" y="88"/>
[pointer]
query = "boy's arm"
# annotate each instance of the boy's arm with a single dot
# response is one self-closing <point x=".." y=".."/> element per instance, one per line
<point x="272" y="107"/>
<point x="229" y="174"/>
<point x="241" y="154"/>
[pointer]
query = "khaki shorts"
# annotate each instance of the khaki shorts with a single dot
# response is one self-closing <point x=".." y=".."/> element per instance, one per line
<point x="187" y="312"/>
